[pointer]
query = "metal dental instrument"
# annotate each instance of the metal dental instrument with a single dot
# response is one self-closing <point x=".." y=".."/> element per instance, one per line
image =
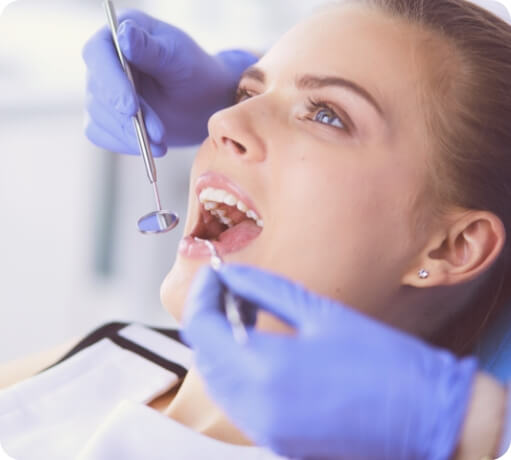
<point x="232" y="303"/>
<point x="159" y="221"/>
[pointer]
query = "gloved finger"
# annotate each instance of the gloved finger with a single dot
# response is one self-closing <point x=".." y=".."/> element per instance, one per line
<point x="147" y="52"/>
<point x="207" y="331"/>
<point x="121" y="126"/>
<point x="276" y="295"/>
<point x="104" y="139"/>
<point x="203" y="318"/>
<point x="143" y="20"/>
<point x="102" y="61"/>
<point x="308" y="312"/>
<point x="205" y="324"/>
<point x="154" y="125"/>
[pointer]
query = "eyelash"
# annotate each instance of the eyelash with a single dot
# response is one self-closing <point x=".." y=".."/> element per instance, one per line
<point x="240" y="93"/>
<point x="313" y="105"/>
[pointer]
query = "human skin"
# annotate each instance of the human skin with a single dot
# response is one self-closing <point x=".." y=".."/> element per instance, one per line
<point x="484" y="424"/>
<point x="343" y="195"/>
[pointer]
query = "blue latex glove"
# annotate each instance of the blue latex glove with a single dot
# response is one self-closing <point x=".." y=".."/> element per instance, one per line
<point x="180" y="85"/>
<point x="344" y="386"/>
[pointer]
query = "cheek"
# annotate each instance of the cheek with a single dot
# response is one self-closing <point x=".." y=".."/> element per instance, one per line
<point x="268" y="323"/>
<point x="339" y="226"/>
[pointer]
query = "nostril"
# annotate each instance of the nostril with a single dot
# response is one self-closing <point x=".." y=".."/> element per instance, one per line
<point x="239" y="148"/>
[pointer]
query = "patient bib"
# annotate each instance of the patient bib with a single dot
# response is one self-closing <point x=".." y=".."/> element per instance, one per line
<point x="134" y="432"/>
<point x="91" y="405"/>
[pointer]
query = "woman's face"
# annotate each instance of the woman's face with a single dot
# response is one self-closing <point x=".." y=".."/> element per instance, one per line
<point x="326" y="146"/>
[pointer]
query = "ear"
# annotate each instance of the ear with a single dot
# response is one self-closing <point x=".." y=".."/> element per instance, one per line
<point x="461" y="252"/>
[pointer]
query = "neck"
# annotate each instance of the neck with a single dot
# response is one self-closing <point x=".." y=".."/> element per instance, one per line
<point x="422" y="313"/>
<point x="192" y="407"/>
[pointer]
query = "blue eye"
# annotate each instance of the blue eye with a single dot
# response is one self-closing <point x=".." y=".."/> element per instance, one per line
<point x="328" y="117"/>
<point x="319" y="111"/>
<point x="323" y="113"/>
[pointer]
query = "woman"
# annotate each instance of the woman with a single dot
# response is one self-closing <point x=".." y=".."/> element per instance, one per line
<point x="366" y="187"/>
<point x="390" y="205"/>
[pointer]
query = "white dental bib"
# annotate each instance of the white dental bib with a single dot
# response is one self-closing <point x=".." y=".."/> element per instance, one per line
<point x="92" y="405"/>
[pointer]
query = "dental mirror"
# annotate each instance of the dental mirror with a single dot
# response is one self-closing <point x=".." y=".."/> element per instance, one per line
<point x="157" y="222"/>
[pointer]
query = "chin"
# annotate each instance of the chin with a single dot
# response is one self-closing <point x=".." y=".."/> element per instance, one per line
<point x="175" y="286"/>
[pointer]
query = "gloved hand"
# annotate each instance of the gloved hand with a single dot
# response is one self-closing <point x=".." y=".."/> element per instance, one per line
<point x="179" y="84"/>
<point x="344" y="386"/>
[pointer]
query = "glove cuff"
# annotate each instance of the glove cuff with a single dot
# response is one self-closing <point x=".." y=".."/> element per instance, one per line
<point x="236" y="61"/>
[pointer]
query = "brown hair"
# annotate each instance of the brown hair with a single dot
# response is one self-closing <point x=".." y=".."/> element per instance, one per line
<point x="467" y="106"/>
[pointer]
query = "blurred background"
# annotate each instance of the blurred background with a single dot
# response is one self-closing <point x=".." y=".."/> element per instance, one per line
<point x="70" y="255"/>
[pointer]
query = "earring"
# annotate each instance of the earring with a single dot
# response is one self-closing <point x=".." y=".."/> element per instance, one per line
<point x="423" y="274"/>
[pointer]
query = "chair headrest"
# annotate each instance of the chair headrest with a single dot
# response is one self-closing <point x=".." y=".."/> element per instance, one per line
<point x="494" y="349"/>
<point x="495" y="7"/>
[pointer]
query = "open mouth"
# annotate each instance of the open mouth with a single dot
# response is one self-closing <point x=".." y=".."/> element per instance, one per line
<point x="227" y="218"/>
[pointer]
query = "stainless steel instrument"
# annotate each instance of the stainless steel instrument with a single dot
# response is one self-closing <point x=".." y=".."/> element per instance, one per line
<point x="159" y="221"/>
<point x="232" y="303"/>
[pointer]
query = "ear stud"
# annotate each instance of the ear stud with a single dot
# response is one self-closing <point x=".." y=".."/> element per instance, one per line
<point x="423" y="274"/>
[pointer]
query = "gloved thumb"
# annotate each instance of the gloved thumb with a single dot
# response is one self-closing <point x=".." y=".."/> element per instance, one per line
<point x="145" y="51"/>
<point x="203" y="321"/>
<point x="287" y="301"/>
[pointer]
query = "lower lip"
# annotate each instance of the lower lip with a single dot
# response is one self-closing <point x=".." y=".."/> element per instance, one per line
<point x="230" y="241"/>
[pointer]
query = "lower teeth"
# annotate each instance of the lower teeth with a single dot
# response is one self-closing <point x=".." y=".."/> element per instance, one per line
<point x="220" y="214"/>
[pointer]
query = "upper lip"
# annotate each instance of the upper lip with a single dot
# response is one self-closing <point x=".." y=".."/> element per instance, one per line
<point x="217" y="180"/>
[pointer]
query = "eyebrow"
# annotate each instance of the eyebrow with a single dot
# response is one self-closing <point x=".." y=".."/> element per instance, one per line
<point x="319" y="81"/>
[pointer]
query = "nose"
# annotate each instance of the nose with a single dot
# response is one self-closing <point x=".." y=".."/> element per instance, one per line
<point x="236" y="131"/>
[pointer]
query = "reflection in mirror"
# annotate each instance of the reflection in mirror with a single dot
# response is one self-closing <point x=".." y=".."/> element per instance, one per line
<point x="158" y="222"/>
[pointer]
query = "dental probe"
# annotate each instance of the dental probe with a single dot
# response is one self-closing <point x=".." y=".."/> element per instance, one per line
<point x="232" y="303"/>
<point x="166" y="220"/>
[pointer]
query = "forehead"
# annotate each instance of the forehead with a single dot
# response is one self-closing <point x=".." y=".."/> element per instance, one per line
<point x="355" y="43"/>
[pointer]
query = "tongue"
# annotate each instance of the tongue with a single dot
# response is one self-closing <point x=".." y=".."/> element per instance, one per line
<point x="233" y="213"/>
<point x="240" y="233"/>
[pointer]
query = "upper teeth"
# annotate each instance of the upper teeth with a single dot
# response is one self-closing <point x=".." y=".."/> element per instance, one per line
<point x="210" y="197"/>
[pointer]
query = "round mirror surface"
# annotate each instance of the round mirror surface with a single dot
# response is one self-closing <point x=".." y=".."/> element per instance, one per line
<point x="158" y="222"/>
